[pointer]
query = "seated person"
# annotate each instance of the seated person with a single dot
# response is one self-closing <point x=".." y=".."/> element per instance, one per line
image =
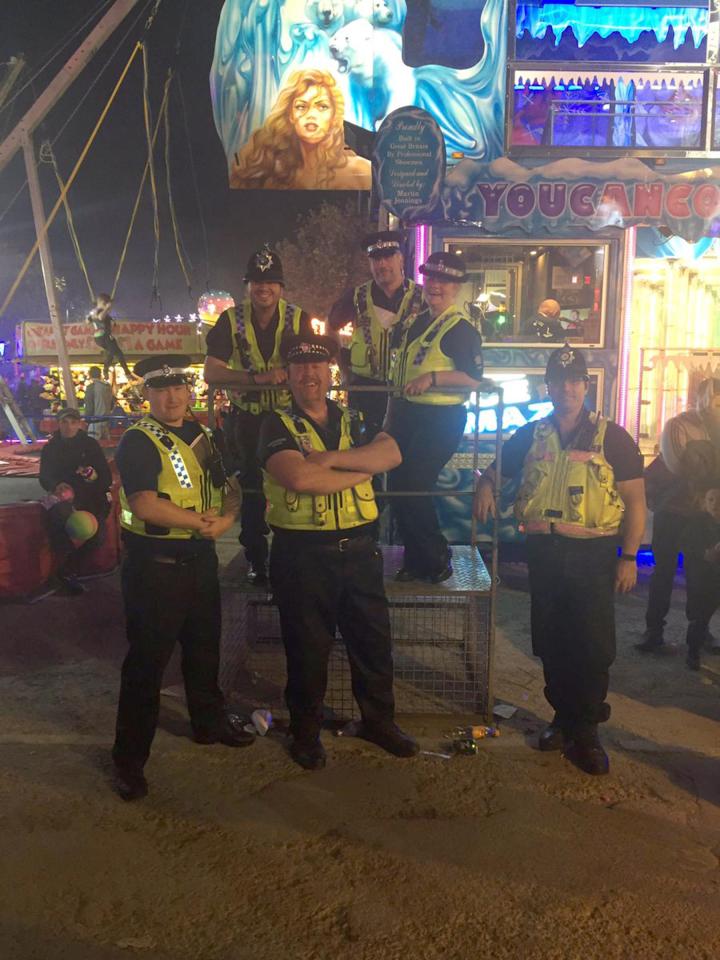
<point x="73" y="468"/>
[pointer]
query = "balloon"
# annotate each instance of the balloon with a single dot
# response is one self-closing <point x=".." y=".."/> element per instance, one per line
<point x="80" y="526"/>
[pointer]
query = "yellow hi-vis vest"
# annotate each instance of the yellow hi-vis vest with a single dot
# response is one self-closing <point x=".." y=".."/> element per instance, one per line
<point x="246" y="355"/>
<point x="569" y="492"/>
<point x="305" y="511"/>
<point x="370" y="354"/>
<point x="181" y="480"/>
<point x="424" y="355"/>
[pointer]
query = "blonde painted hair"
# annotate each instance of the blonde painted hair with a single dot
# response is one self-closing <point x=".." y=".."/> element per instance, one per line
<point x="272" y="157"/>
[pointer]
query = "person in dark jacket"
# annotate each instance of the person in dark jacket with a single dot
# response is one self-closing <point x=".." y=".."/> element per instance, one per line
<point x="701" y="551"/>
<point x="73" y="468"/>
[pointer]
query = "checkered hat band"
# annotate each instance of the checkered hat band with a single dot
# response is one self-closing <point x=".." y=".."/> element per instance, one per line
<point x="441" y="268"/>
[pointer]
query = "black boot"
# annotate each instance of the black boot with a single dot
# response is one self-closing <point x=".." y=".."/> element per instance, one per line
<point x="391" y="738"/>
<point x="693" y="658"/>
<point x="586" y="752"/>
<point x="130" y="782"/>
<point x="310" y="754"/>
<point x="224" y="731"/>
<point x="552" y="737"/>
<point x="652" y="642"/>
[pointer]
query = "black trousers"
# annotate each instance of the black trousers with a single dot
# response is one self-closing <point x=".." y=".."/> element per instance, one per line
<point x="320" y="589"/>
<point x="112" y="354"/>
<point x="165" y="604"/>
<point x="243" y="433"/>
<point x="573" y="623"/>
<point x="703" y="599"/>
<point x="667" y="531"/>
<point x="427" y="436"/>
<point x="372" y="405"/>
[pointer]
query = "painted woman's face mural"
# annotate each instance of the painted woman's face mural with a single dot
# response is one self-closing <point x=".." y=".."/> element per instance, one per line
<point x="352" y="61"/>
<point x="312" y="114"/>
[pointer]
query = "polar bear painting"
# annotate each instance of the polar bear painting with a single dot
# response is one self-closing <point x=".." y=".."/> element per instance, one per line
<point x="372" y="59"/>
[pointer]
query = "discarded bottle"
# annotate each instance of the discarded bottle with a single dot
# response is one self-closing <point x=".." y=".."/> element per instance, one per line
<point x="479" y="732"/>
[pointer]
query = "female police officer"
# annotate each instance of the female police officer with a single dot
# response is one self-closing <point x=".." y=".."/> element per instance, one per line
<point x="440" y="348"/>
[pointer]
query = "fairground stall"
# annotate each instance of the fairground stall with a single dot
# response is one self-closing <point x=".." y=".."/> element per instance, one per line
<point x="36" y="346"/>
<point x="583" y="192"/>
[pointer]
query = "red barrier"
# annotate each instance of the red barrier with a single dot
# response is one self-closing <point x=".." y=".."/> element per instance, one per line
<point x="26" y="560"/>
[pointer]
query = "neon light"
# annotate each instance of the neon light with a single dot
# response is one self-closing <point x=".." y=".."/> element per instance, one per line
<point x="625" y="336"/>
<point x="422" y="249"/>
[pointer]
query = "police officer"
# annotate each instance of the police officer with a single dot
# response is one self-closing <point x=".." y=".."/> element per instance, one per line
<point x="244" y="348"/>
<point x="440" y="349"/>
<point x="581" y="492"/>
<point x="325" y="567"/>
<point x="378" y="311"/>
<point x="175" y="502"/>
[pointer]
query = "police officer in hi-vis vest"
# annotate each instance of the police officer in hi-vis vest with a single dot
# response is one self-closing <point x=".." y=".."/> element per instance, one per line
<point x="244" y="348"/>
<point x="325" y="566"/>
<point x="378" y="310"/>
<point x="175" y="502"/>
<point x="440" y="349"/>
<point x="581" y="494"/>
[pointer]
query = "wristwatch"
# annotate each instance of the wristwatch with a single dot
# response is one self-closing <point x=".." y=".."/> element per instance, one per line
<point x="628" y="556"/>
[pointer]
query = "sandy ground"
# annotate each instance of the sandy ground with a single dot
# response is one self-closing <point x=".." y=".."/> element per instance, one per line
<point x="241" y="854"/>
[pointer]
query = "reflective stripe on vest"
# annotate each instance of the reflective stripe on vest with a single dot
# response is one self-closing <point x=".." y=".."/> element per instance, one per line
<point x="569" y="492"/>
<point x="181" y="480"/>
<point x="370" y="346"/>
<point x="424" y="355"/>
<point x="303" y="511"/>
<point x="246" y="355"/>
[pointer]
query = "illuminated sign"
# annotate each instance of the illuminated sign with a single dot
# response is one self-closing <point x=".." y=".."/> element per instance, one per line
<point x="514" y="416"/>
<point x="286" y="74"/>
<point x="505" y="195"/>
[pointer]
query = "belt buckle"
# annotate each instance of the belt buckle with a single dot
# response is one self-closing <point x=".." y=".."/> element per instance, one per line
<point x="344" y="544"/>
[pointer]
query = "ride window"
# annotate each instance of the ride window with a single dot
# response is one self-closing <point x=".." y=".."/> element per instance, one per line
<point x="616" y="110"/>
<point x="535" y="293"/>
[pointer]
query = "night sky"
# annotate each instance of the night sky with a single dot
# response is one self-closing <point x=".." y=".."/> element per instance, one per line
<point x="103" y="194"/>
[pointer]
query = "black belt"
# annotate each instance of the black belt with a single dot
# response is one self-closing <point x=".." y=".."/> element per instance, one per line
<point x="178" y="561"/>
<point x="345" y="544"/>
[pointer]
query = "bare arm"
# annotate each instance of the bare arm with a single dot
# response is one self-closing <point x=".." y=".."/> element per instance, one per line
<point x="297" y="473"/>
<point x="633" y="496"/>
<point x="378" y="456"/>
<point x="484" y="499"/>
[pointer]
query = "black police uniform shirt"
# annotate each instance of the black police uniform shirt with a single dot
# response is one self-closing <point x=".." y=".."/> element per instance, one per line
<point x="219" y="338"/>
<point x="343" y="310"/>
<point x="139" y="463"/>
<point x="619" y="448"/>
<point x="275" y="437"/>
